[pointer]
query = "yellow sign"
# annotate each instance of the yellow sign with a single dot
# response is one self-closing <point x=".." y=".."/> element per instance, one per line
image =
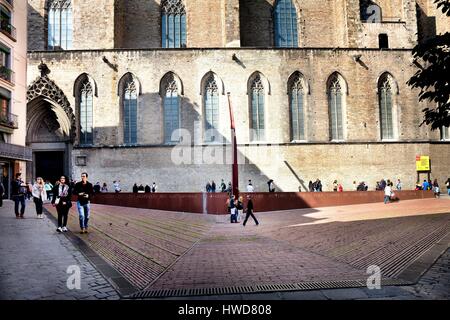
<point x="422" y="163"/>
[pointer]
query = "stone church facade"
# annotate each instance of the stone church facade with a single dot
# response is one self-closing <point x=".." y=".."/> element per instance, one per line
<point x="325" y="98"/>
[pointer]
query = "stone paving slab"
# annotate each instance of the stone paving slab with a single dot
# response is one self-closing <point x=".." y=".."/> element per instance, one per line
<point x="35" y="258"/>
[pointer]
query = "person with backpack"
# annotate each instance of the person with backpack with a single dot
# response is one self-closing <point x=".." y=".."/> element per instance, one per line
<point x="19" y="189"/>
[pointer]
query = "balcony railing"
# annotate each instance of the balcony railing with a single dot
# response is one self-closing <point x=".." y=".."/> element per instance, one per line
<point x="13" y="151"/>
<point x="9" y="120"/>
<point x="8" y="29"/>
<point x="6" y="74"/>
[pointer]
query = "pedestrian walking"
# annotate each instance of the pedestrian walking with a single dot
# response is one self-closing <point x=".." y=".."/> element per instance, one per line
<point x="448" y="186"/>
<point x="387" y="194"/>
<point x="116" y="185"/>
<point x="62" y="194"/>
<point x="250" y="187"/>
<point x="39" y="195"/>
<point x="399" y="185"/>
<point x="240" y="209"/>
<point x="233" y="214"/>
<point x="48" y="190"/>
<point x="2" y="193"/>
<point x="19" y="190"/>
<point x="250" y="211"/>
<point x="223" y="187"/>
<point x="436" y="189"/>
<point x="97" y="187"/>
<point x="84" y="191"/>
<point x="335" y="186"/>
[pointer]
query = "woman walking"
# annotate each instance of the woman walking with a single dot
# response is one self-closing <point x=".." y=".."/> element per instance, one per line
<point x="62" y="194"/>
<point x="39" y="195"/>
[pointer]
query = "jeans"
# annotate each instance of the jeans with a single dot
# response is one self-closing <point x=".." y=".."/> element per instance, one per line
<point x="386" y="199"/>
<point x="84" y="211"/>
<point x="19" y="199"/>
<point x="38" y="203"/>
<point x="448" y="191"/>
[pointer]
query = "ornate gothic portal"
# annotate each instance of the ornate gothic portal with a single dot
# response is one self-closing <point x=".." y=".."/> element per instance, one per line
<point x="50" y="129"/>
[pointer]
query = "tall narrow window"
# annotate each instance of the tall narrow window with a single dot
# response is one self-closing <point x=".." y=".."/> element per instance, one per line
<point x="257" y="109"/>
<point x="59" y="25"/>
<point x="335" y="101"/>
<point x="86" y="118"/>
<point x="445" y="132"/>
<point x="171" y="111"/>
<point x="383" y="40"/>
<point x="285" y="24"/>
<point x="386" y="119"/>
<point x="5" y="21"/>
<point x="173" y="24"/>
<point x="296" y="101"/>
<point x="130" y="113"/>
<point x="211" y="99"/>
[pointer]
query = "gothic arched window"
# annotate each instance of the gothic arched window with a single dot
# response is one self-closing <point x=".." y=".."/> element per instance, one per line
<point x="130" y="113"/>
<point x="211" y="100"/>
<point x="386" y="107"/>
<point x="86" y="113"/>
<point x="297" y="108"/>
<point x="173" y="24"/>
<point x="335" y="102"/>
<point x="285" y="24"/>
<point x="59" y="24"/>
<point x="257" y="97"/>
<point x="171" y="103"/>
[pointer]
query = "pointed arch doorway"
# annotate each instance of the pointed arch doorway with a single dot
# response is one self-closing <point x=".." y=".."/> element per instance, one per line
<point x="50" y="130"/>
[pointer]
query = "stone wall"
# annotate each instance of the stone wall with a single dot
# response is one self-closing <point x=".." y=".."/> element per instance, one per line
<point x="362" y="157"/>
<point x="224" y="23"/>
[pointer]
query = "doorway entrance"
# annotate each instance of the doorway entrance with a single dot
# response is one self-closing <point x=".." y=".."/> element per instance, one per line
<point x="49" y="165"/>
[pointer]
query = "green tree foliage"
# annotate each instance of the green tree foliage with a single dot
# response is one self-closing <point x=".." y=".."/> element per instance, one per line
<point x="433" y="76"/>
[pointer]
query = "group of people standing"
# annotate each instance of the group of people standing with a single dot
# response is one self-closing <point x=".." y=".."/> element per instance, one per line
<point x="146" y="189"/>
<point x="60" y="196"/>
<point x="236" y="210"/>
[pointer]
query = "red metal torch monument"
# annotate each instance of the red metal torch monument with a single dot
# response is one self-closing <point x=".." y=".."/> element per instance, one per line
<point x="235" y="174"/>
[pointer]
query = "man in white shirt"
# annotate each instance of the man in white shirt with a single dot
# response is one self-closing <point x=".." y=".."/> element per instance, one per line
<point x="250" y="187"/>
<point x="387" y="193"/>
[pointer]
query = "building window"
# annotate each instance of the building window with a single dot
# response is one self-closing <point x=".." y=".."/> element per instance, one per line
<point x="173" y="24"/>
<point x="285" y="20"/>
<point x="5" y="21"/>
<point x="383" y="40"/>
<point x="297" y="108"/>
<point x="5" y="100"/>
<point x="257" y="109"/>
<point x="171" y="102"/>
<point x="386" y="108"/>
<point x="60" y="25"/>
<point x="335" y="101"/>
<point x="86" y="113"/>
<point x="130" y="113"/>
<point x="211" y="100"/>
<point x="5" y="63"/>
<point x="445" y="133"/>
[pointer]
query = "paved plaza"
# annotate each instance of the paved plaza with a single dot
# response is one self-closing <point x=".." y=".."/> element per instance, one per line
<point x="155" y="251"/>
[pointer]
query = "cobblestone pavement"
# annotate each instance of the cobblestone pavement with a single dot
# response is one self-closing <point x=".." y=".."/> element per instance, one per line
<point x="34" y="261"/>
<point x="167" y="250"/>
